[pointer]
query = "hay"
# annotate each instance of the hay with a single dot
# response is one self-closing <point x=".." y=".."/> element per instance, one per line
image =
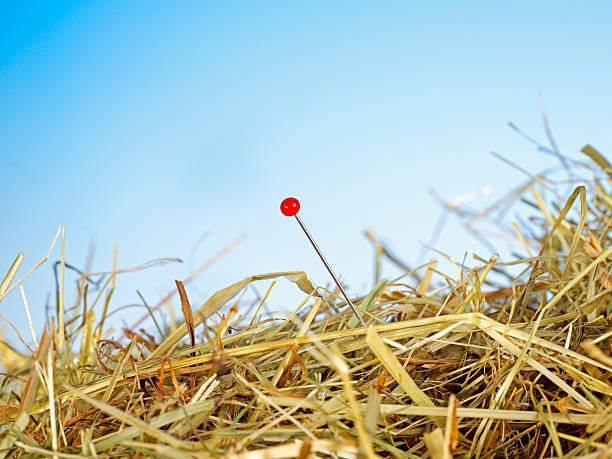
<point x="505" y="359"/>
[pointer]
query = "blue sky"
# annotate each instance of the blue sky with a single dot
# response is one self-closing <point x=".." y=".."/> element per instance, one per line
<point x="148" y="124"/>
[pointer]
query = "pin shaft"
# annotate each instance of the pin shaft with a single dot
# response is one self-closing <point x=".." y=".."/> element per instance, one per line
<point x="314" y="244"/>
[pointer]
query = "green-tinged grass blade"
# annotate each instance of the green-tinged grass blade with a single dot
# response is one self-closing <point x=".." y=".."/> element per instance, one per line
<point x="118" y="372"/>
<point x="222" y="297"/>
<point x="182" y="412"/>
<point x="28" y="398"/>
<point x="390" y="362"/>
<point x="599" y="159"/>
<point x="8" y="278"/>
<point x="138" y="424"/>
<point x="366" y="304"/>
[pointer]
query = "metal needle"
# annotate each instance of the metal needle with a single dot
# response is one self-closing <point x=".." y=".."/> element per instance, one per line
<point x="331" y="272"/>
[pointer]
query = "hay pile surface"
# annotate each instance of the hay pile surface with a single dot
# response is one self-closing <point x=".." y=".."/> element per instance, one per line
<point x="506" y="358"/>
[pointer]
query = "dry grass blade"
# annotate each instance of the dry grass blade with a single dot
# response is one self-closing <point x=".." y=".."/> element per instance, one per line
<point x="186" y="308"/>
<point x="117" y="438"/>
<point x="396" y="370"/>
<point x="294" y="449"/>
<point x="599" y="159"/>
<point x="222" y="297"/>
<point x="8" y="278"/>
<point x="142" y="426"/>
<point x="195" y="274"/>
<point x="25" y="304"/>
<point x="28" y="397"/>
<point x="451" y="431"/>
<point x="35" y="267"/>
<point x="60" y="300"/>
<point x="435" y="444"/>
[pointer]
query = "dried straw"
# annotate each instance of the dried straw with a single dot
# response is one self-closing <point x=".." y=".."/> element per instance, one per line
<point x="506" y="358"/>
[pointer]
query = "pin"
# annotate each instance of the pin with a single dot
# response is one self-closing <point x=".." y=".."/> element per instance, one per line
<point x="290" y="208"/>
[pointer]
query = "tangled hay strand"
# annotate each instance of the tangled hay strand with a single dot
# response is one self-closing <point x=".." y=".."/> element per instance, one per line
<point x="504" y="359"/>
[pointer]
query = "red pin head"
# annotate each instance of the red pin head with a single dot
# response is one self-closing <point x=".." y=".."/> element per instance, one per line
<point x="290" y="206"/>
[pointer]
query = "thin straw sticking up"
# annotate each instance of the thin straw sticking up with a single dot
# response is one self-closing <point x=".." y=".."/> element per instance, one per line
<point x="45" y="258"/>
<point x="10" y="275"/>
<point x="25" y="303"/>
<point x="187" y="313"/>
<point x="60" y="304"/>
<point x="195" y="274"/>
<point x="51" y="392"/>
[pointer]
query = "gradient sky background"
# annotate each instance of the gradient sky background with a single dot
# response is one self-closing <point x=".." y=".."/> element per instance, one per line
<point x="148" y="124"/>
